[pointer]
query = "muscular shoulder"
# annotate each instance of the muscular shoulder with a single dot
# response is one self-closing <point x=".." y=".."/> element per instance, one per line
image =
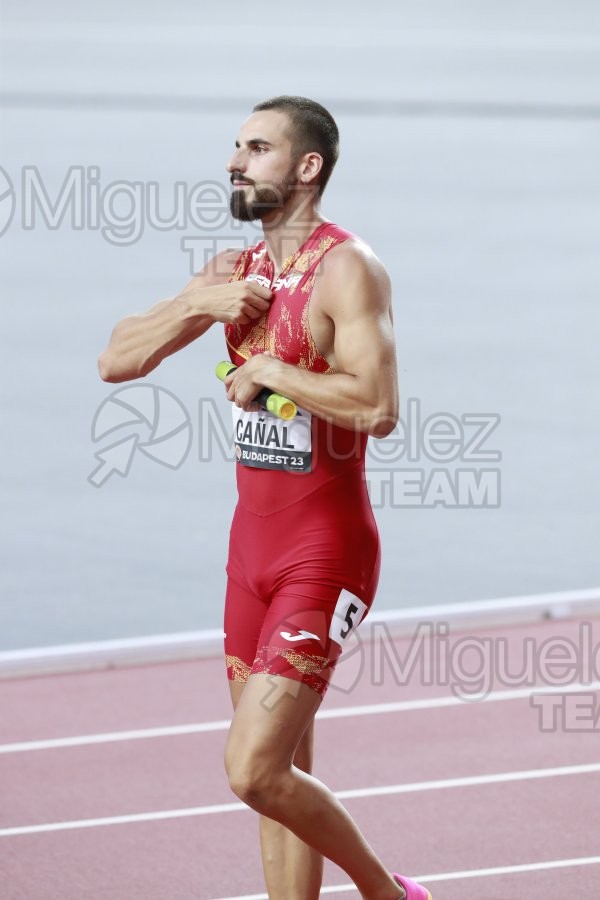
<point x="351" y="272"/>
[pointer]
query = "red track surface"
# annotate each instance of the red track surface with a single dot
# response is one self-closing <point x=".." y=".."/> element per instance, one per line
<point x="426" y="830"/>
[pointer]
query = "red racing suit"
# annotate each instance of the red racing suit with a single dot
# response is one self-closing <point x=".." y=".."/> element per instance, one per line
<point x="304" y="551"/>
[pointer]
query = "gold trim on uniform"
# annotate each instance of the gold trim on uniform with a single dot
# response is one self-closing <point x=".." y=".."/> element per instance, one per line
<point x="305" y="663"/>
<point x="240" y="669"/>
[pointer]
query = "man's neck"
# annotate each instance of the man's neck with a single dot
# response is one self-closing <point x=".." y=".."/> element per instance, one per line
<point x="288" y="230"/>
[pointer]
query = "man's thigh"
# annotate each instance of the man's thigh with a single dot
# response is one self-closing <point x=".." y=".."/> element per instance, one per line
<point x="272" y="725"/>
<point x="244" y="619"/>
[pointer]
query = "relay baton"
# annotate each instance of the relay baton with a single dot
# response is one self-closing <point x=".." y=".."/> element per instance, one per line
<point x="273" y="403"/>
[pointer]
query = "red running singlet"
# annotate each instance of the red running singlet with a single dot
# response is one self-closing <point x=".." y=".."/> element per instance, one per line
<point x="304" y="551"/>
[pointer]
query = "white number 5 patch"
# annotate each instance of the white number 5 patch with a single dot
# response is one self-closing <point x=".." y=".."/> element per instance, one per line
<point x="348" y="613"/>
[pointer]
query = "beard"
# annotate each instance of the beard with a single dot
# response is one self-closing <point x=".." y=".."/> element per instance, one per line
<point x="263" y="200"/>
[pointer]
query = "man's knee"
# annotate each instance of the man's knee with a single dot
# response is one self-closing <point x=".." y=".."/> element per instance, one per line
<point x="255" y="771"/>
<point x="253" y="777"/>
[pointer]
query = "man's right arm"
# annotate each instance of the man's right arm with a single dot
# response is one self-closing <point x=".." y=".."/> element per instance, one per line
<point x="140" y="342"/>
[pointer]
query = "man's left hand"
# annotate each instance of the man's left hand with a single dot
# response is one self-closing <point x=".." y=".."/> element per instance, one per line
<point x="248" y="380"/>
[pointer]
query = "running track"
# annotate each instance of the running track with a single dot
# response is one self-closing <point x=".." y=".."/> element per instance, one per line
<point x="113" y="786"/>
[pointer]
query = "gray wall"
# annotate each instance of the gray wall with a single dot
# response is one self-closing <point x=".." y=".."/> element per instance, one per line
<point x="470" y="148"/>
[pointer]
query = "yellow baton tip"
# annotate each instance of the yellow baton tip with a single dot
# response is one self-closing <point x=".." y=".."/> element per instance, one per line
<point x="223" y="369"/>
<point x="287" y="411"/>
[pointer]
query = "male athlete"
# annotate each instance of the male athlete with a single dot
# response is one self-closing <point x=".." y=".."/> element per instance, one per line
<point x="307" y="314"/>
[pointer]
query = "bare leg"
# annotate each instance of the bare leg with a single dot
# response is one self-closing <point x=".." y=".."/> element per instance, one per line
<point x="260" y="762"/>
<point x="293" y="870"/>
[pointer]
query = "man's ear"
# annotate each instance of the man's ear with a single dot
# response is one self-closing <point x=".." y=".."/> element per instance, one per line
<point x="309" y="167"/>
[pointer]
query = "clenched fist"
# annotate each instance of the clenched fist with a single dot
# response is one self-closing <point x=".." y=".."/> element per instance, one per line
<point x="237" y="302"/>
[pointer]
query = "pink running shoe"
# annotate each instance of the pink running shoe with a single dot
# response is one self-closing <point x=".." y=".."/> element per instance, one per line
<point x="413" y="890"/>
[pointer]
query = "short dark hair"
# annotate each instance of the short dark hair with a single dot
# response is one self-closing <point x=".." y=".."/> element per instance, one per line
<point x="313" y="129"/>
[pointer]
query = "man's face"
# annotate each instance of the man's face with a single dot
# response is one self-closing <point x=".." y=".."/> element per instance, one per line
<point x="262" y="168"/>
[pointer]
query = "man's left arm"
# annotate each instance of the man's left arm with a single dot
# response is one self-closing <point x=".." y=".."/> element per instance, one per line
<point x="354" y="292"/>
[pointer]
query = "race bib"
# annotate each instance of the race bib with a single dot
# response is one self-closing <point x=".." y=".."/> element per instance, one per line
<point x="264" y="441"/>
<point x="348" y="613"/>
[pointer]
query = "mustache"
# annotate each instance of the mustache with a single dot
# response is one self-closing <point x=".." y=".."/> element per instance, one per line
<point x="237" y="176"/>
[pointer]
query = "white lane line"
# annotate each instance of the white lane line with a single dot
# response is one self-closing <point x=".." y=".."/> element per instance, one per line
<point x="468" y="781"/>
<point x="454" y="876"/>
<point x="343" y="712"/>
<point x="113" y="736"/>
<point x="439" y="702"/>
<point x="353" y="793"/>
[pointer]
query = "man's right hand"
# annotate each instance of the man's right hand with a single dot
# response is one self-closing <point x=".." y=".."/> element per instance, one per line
<point x="139" y="342"/>
<point x="236" y="302"/>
